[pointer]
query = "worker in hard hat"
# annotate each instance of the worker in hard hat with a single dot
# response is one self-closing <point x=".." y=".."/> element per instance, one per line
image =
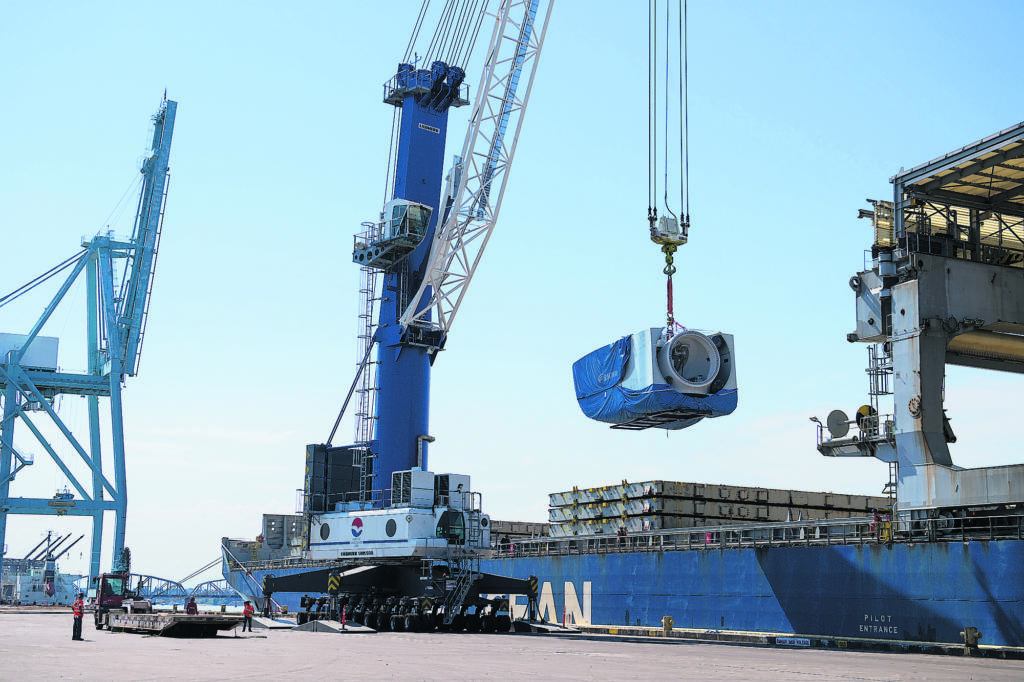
<point x="78" y="608"/>
<point x="247" y="612"/>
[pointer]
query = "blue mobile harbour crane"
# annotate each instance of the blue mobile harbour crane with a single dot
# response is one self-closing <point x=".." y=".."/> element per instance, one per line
<point x="390" y="544"/>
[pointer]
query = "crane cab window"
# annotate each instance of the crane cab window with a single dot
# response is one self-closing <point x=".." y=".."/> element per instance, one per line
<point x="452" y="527"/>
<point x="113" y="586"/>
<point x="406" y="219"/>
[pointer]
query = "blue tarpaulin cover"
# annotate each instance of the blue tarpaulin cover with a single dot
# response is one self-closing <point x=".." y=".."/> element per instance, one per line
<point x="597" y="377"/>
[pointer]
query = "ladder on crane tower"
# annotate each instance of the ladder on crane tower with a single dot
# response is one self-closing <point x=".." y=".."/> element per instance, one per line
<point x="134" y="362"/>
<point x="366" y="409"/>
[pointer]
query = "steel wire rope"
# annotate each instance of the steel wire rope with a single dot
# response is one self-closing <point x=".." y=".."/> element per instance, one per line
<point x="437" y="31"/>
<point x="40" y="279"/>
<point x="136" y="179"/>
<point x="424" y="6"/>
<point x="200" y="571"/>
<point x="665" y="118"/>
<point x="442" y="34"/>
<point x="476" y="30"/>
<point x="652" y="109"/>
<point x="684" y="85"/>
<point x="459" y="33"/>
<point x="391" y="147"/>
<point x="450" y="31"/>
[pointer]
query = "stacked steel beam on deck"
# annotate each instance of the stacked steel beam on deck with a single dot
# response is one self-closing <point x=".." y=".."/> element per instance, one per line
<point x="658" y="505"/>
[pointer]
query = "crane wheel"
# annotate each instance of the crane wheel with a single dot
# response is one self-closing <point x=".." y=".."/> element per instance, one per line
<point x="487" y="624"/>
<point x="503" y="623"/>
<point x="428" y="622"/>
<point x="472" y="622"/>
<point x="397" y="623"/>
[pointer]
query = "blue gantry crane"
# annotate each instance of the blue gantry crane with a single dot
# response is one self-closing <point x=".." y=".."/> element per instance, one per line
<point x="119" y="283"/>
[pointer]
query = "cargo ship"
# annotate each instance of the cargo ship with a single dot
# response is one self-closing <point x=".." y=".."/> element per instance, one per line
<point x="938" y="553"/>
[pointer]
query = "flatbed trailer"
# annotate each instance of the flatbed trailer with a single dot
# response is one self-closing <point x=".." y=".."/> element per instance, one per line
<point x="172" y="624"/>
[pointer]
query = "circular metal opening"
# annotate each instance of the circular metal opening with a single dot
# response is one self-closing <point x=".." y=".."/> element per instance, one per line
<point x="325" y="531"/>
<point x="690" y="362"/>
<point x="391" y="528"/>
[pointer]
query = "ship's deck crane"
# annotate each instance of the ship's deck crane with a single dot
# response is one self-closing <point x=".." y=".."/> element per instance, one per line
<point x="116" y="315"/>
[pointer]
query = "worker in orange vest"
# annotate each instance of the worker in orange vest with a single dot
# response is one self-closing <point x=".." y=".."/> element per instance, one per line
<point x="78" y="608"/>
<point x="247" y="612"/>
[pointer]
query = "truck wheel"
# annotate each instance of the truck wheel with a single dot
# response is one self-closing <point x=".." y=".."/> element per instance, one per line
<point x="503" y="623"/>
<point x="472" y="622"/>
<point x="412" y="622"/>
<point x="487" y="624"/>
<point x="458" y="622"/>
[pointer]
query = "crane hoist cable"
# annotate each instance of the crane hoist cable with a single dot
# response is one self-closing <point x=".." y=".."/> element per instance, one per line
<point x="670" y="230"/>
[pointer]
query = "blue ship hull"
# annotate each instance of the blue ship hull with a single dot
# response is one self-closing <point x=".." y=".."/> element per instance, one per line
<point x="925" y="592"/>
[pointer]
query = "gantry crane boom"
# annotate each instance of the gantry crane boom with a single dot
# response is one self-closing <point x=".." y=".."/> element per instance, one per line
<point x="138" y="280"/>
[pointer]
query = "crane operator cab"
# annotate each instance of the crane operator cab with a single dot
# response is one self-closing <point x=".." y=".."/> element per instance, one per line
<point x="401" y="228"/>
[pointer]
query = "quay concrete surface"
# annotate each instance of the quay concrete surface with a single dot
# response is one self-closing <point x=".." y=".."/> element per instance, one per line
<point x="39" y="647"/>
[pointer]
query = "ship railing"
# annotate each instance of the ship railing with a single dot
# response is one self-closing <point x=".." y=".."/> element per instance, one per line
<point x="851" y="531"/>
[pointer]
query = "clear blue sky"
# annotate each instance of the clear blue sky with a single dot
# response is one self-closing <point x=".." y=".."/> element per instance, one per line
<point x="799" y="111"/>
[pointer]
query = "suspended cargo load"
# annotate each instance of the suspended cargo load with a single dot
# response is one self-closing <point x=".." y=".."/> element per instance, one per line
<point x="649" y="379"/>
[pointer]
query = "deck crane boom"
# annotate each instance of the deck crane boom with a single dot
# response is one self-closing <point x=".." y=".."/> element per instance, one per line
<point x="115" y="325"/>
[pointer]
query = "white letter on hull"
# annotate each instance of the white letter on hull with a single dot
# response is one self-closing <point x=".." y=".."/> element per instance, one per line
<point x="573" y="613"/>
<point x="546" y="605"/>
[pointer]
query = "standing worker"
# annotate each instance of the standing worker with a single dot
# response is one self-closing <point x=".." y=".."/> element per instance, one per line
<point x="191" y="608"/>
<point x="247" y="612"/>
<point x="77" y="608"/>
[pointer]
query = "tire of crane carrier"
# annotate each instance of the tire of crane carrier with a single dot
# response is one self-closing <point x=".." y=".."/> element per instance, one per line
<point x="487" y="623"/>
<point x="458" y="623"/>
<point x="502" y="623"/>
<point x="472" y="622"/>
<point x="397" y="623"/>
<point x="428" y="621"/>
<point x="411" y="622"/>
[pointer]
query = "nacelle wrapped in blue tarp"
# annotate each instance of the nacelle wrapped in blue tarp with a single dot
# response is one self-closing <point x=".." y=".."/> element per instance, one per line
<point x="647" y="380"/>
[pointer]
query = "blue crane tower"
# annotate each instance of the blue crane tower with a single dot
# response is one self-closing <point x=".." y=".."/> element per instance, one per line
<point x="117" y="307"/>
<point x="426" y="245"/>
<point x="404" y="356"/>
